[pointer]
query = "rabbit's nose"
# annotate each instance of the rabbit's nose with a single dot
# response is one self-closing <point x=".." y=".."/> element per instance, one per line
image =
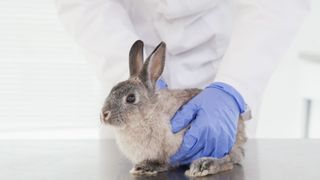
<point x="104" y="116"/>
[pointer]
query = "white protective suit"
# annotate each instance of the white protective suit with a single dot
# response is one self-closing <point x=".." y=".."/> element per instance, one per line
<point x="238" y="42"/>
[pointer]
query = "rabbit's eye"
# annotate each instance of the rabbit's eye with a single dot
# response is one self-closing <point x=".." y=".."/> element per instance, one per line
<point x="130" y="98"/>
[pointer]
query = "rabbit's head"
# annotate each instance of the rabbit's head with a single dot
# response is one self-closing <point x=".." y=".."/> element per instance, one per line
<point x="129" y="100"/>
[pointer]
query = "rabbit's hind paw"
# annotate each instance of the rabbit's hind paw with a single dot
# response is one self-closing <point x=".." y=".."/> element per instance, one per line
<point x="208" y="165"/>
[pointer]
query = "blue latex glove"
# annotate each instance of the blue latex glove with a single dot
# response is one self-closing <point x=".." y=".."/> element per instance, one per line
<point x="213" y="115"/>
<point x="161" y="84"/>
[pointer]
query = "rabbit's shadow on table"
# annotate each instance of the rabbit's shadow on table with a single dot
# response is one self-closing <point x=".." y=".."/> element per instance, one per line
<point x="178" y="174"/>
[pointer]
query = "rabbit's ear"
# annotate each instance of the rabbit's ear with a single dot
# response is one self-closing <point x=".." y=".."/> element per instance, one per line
<point x="153" y="67"/>
<point x="136" y="58"/>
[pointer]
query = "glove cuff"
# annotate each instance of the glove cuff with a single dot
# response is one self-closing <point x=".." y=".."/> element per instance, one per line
<point x="232" y="92"/>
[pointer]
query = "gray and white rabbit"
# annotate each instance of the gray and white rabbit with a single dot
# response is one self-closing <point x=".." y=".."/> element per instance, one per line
<point x="140" y="116"/>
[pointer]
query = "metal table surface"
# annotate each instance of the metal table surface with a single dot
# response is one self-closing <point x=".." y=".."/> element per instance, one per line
<point x="100" y="159"/>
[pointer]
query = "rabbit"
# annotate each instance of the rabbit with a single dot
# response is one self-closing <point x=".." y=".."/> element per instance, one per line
<point x="140" y="116"/>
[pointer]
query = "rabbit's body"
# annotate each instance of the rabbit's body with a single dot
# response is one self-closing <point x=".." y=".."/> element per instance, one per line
<point x="150" y="136"/>
<point x="141" y="116"/>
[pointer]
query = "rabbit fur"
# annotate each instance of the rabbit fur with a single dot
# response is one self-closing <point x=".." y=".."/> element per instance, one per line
<point x="140" y="116"/>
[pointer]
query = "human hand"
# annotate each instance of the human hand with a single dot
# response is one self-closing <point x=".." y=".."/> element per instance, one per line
<point x="161" y="84"/>
<point x="213" y="117"/>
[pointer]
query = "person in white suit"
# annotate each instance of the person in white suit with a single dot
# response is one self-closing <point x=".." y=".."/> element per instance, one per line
<point x="228" y="47"/>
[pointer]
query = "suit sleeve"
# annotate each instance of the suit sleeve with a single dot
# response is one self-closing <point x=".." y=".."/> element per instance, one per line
<point x="263" y="31"/>
<point x="99" y="26"/>
<point x="104" y="31"/>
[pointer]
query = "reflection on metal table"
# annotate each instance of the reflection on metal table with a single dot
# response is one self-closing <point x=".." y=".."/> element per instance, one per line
<point x="101" y="160"/>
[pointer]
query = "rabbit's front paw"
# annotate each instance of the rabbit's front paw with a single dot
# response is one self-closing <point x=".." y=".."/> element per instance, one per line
<point x="143" y="170"/>
<point x="208" y="165"/>
<point x="148" y="168"/>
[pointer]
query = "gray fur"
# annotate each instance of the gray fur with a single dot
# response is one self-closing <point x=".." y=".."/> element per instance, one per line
<point x="136" y="58"/>
<point x="143" y="130"/>
<point x="153" y="67"/>
<point x="149" y="167"/>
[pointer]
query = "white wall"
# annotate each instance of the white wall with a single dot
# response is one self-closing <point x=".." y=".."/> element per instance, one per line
<point x="47" y="89"/>
<point x="282" y="112"/>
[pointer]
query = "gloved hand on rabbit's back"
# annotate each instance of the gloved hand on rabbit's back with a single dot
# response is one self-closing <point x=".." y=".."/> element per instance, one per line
<point x="212" y="116"/>
<point x="140" y="115"/>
